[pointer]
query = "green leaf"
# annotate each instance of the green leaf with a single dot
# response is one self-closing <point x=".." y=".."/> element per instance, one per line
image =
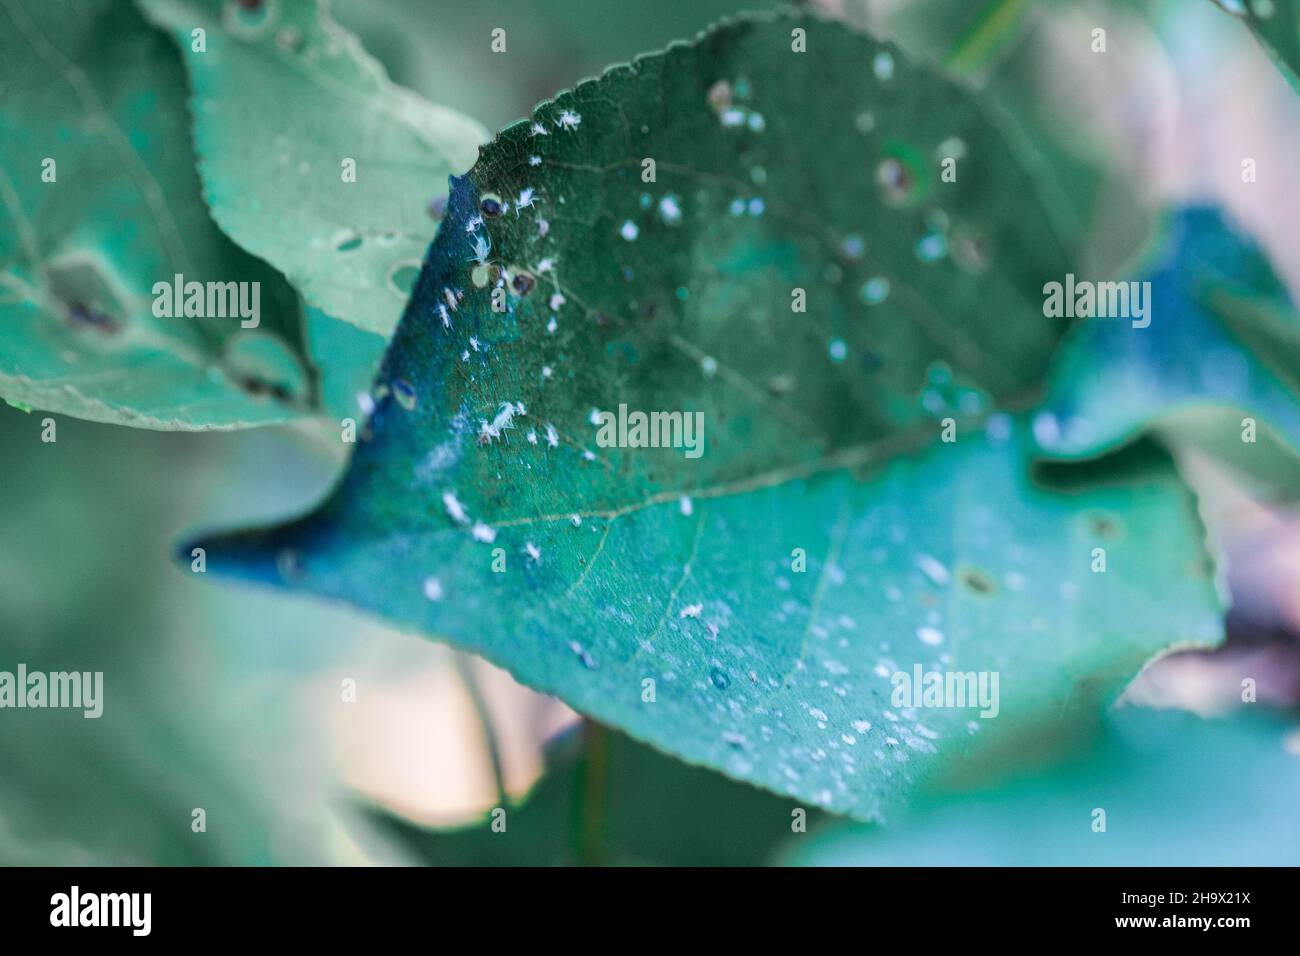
<point x="1276" y="25"/>
<point x="348" y="358"/>
<point x="94" y="104"/>
<point x="1223" y="336"/>
<point x="284" y="100"/>
<point x="626" y="565"/>
<point x="617" y="802"/>
<point x="1177" y="790"/>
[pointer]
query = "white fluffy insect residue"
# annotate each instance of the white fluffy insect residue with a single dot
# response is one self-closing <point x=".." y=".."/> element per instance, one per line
<point x="504" y="419"/>
<point x="533" y="551"/>
<point x="933" y="569"/>
<point x="483" y="532"/>
<point x="692" y="610"/>
<point x="455" y="509"/>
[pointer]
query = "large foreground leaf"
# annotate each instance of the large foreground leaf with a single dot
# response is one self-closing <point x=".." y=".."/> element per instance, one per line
<point x="1223" y="334"/>
<point x="91" y="89"/>
<point x="764" y="593"/>
<point x="284" y="100"/>
<point x="1177" y="790"/>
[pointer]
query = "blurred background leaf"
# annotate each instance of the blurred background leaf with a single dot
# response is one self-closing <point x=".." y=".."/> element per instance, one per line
<point x="1222" y="334"/>
<point x="90" y="87"/>
<point x="284" y="99"/>
<point x="441" y="48"/>
<point x="1277" y="25"/>
<point x="606" y="799"/>
<point x="1176" y="790"/>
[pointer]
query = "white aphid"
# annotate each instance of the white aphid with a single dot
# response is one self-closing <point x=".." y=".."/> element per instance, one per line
<point x="534" y="160"/>
<point x="539" y="130"/>
<point x="533" y="551"/>
<point x="552" y="436"/>
<point x="527" y="198"/>
<point x="569" y="120"/>
<point x="482" y="532"/>
<point x="692" y="610"/>
<point x="482" y="246"/>
<point x="504" y="419"/>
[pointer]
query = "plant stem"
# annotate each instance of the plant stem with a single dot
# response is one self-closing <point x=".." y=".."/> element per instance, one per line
<point x="465" y="670"/>
<point x="595" y="791"/>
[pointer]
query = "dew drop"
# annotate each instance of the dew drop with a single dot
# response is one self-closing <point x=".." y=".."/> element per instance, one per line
<point x="670" y="210"/>
<point x="933" y="569"/>
<point x="930" y="635"/>
<point x="719" y="679"/>
<point x="875" y="290"/>
<point x="490" y="206"/>
<point x="931" y="247"/>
